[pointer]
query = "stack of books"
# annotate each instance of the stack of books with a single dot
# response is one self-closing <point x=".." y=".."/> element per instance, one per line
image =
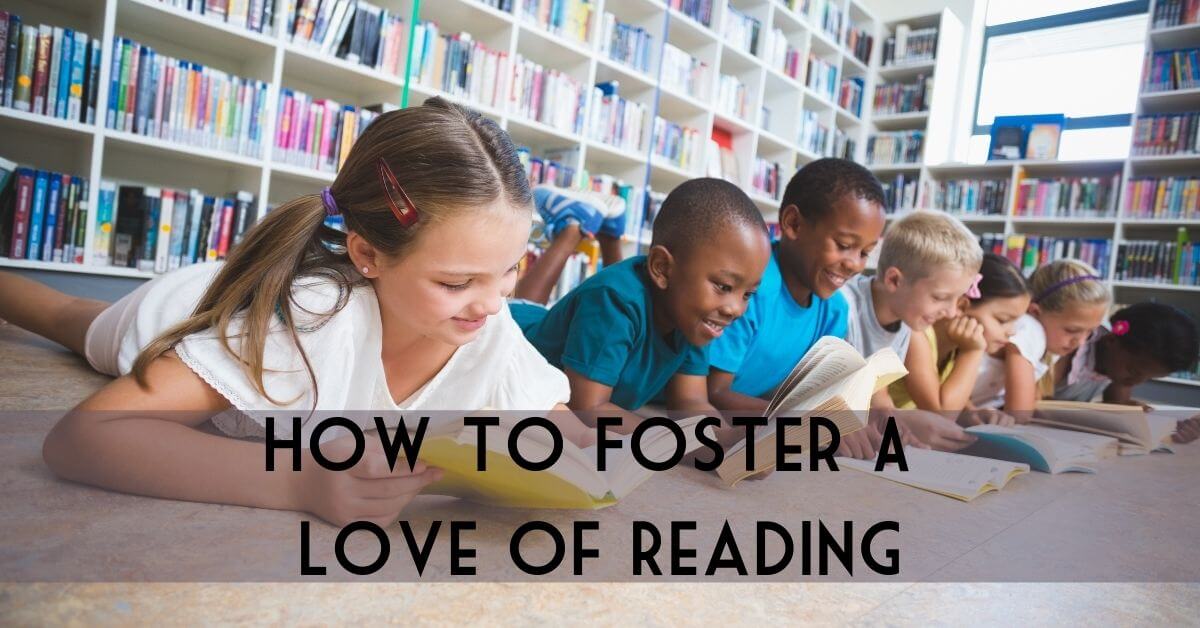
<point x="317" y="133"/>
<point x="48" y="70"/>
<point x="43" y="215"/>
<point x="356" y="31"/>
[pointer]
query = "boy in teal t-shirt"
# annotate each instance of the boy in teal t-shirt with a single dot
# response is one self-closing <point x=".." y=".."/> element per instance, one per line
<point x="831" y="220"/>
<point x="643" y="325"/>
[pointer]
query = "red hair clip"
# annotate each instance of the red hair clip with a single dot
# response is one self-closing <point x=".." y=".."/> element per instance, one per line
<point x="1120" y="328"/>
<point x="406" y="214"/>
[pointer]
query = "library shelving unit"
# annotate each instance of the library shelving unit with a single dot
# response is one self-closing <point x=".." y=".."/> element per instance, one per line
<point x="936" y="119"/>
<point x="768" y="127"/>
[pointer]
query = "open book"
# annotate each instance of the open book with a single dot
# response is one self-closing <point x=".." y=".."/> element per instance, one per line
<point x="953" y="475"/>
<point x="832" y="381"/>
<point x="1137" y="430"/>
<point x="1044" y="449"/>
<point x="573" y="481"/>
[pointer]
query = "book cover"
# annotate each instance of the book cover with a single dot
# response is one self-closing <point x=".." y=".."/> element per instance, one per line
<point x="22" y="99"/>
<point x="102" y="238"/>
<point x="1043" y="141"/>
<point x="152" y="204"/>
<point x="226" y="235"/>
<point x="75" y="103"/>
<point x="129" y="226"/>
<point x="25" y="179"/>
<point x="93" y="80"/>
<point x="37" y="215"/>
<point x="179" y="224"/>
<point x="41" y="67"/>
<point x="10" y="59"/>
<point x="166" y="215"/>
<point x="52" y="75"/>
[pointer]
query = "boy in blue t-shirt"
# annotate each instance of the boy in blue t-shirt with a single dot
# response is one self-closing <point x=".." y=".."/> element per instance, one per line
<point x="832" y="218"/>
<point x="643" y="325"/>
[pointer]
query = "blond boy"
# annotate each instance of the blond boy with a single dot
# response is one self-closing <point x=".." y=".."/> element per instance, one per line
<point x="927" y="261"/>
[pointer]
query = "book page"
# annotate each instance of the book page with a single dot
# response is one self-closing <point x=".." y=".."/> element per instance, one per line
<point x="823" y="365"/>
<point x="954" y="475"/>
<point x="1127" y="423"/>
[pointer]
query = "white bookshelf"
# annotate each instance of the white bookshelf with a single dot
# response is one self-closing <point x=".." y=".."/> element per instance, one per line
<point x="98" y="153"/>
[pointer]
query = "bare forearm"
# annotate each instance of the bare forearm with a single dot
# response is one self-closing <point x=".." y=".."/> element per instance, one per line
<point x="956" y="390"/>
<point x="158" y="458"/>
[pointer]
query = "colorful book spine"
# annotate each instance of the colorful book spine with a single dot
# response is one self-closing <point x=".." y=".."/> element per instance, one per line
<point x="1068" y="197"/>
<point x="1163" y="197"/>
<point x="22" y="99"/>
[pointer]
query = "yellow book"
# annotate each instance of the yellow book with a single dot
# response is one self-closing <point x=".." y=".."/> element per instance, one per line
<point x="832" y="381"/>
<point x="573" y="482"/>
<point x="953" y="475"/>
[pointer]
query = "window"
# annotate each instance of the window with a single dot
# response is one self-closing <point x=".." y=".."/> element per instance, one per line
<point x="1085" y="64"/>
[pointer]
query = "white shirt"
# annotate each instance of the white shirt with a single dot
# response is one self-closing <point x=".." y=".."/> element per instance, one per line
<point x="1030" y="340"/>
<point x="863" y="330"/>
<point x="499" y="370"/>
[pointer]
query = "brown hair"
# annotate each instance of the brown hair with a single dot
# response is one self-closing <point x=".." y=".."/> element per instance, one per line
<point x="1062" y="283"/>
<point x="449" y="159"/>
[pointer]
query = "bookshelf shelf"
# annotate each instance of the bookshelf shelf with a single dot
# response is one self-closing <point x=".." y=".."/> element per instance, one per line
<point x="765" y="203"/>
<point x="56" y="126"/>
<point x="772" y="142"/>
<point x="790" y="82"/>
<point x="636" y="80"/>
<point x="1186" y="159"/>
<point x="845" y="117"/>
<point x="86" y="269"/>
<point x="544" y="44"/>
<point x="1151" y="285"/>
<point x="311" y="66"/>
<point x="619" y="157"/>
<point x="478" y="10"/>
<point x="1063" y="220"/>
<point x="691" y="28"/>
<point x="905" y="71"/>
<point x="899" y="121"/>
<point x="180" y="151"/>
<point x="192" y="30"/>
<point x="848" y="58"/>
<point x="532" y="131"/>
<point x="302" y="175"/>
<point x="893" y="168"/>
<point x="1157" y="223"/>
<point x="1172" y="99"/>
<point x="1175" y="36"/>
<point x="731" y="122"/>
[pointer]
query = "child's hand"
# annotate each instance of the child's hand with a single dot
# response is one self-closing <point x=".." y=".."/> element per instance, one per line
<point x="1187" y="431"/>
<point x="368" y="491"/>
<point x="860" y="444"/>
<point x="966" y="333"/>
<point x="986" y="416"/>
<point x="935" y="431"/>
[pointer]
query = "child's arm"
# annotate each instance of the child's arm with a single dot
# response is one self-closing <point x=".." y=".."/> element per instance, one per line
<point x="966" y="334"/>
<point x="925" y="429"/>
<point x="1020" y="385"/>
<point x="689" y="393"/>
<point x="591" y="399"/>
<point x="540" y="278"/>
<point x="144" y="441"/>
<point x="1115" y="393"/>
<point x="722" y="395"/>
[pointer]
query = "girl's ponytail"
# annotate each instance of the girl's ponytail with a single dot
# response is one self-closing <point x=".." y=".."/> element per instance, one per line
<point x="257" y="278"/>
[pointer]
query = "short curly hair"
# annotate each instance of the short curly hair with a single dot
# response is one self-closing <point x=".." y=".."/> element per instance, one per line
<point x="817" y="186"/>
<point x="698" y="209"/>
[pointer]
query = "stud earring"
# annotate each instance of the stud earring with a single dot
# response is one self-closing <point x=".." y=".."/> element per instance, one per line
<point x="365" y="269"/>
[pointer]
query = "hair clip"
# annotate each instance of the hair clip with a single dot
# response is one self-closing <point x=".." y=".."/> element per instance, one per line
<point x="331" y="208"/>
<point x="973" y="292"/>
<point x="406" y="214"/>
<point x="1120" y="328"/>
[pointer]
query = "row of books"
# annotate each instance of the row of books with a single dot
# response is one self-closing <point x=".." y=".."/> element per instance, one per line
<point x="1068" y="197"/>
<point x="822" y="76"/>
<point x="1170" y="70"/>
<point x="626" y="43"/>
<point x="699" y="10"/>
<point x="741" y="30"/>
<point x="571" y="19"/>
<point x="1175" y="263"/>
<point x="167" y="98"/>
<point x="547" y="95"/>
<point x="779" y="53"/>
<point x="733" y="98"/>
<point x="1169" y="13"/>
<point x="893" y="98"/>
<point x="681" y="72"/>
<point x="43" y="214"/>
<point x="1166" y="134"/>
<point x="1163" y="197"/>
<point x="844" y="145"/>
<point x="850" y="95"/>
<point x="48" y="70"/>
<point x="896" y="147"/>
<point x="677" y="144"/>
<point x="910" y="45"/>
<point x="765" y="178"/>
<point x="255" y="15"/>
<point x="160" y="229"/>
<point x="548" y="170"/>
<point x="458" y="65"/>
<point x="1029" y="252"/>
<point x="356" y="31"/>
<point x="813" y="133"/>
<point x="899" y="192"/>
<point x="969" y="196"/>
<point x="614" y="120"/>
<point x="318" y="133"/>
<point x="859" y="43"/>
<point x="827" y="14"/>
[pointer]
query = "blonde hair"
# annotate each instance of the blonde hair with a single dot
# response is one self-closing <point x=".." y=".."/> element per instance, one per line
<point x="1060" y="284"/>
<point x="924" y="240"/>
<point x="449" y="159"/>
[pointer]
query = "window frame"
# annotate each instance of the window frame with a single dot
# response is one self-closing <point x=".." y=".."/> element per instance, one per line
<point x="1073" y="18"/>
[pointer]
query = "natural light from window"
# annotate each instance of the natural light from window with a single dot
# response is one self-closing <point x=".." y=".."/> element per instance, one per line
<point x="1082" y="70"/>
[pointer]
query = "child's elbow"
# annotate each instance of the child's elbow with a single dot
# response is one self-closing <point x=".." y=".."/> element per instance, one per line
<point x="60" y="450"/>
